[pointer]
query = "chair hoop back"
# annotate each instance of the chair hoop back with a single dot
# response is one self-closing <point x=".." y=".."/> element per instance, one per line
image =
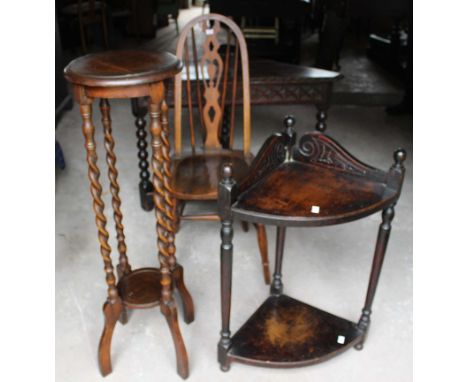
<point x="209" y="77"/>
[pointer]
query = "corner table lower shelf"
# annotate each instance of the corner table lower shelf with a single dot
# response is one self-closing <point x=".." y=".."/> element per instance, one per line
<point x="317" y="183"/>
<point x="285" y="332"/>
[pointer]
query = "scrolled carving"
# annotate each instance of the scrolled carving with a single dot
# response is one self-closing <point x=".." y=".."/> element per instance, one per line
<point x="270" y="156"/>
<point x="318" y="148"/>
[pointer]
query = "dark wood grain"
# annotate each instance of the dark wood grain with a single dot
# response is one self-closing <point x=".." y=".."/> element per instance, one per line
<point x="141" y="288"/>
<point x="196" y="177"/>
<point x="283" y="186"/>
<point x="322" y="174"/>
<point x="339" y="195"/>
<point x="285" y="332"/>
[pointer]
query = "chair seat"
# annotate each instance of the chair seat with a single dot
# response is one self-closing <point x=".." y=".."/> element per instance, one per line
<point x="196" y="177"/>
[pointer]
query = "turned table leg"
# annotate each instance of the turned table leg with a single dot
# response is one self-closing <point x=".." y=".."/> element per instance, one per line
<point x="113" y="306"/>
<point x="277" y="285"/>
<point x="145" y="186"/>
<point x="263" y="248"/>
<point x="379" y="254"/>
<point x="164" y="208"/>
<point x="224" y="203"/>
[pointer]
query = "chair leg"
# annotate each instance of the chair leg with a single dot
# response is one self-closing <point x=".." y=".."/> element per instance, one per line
<point x="245" y="226"/>
<point x="263" y="247"/>
<point x="179" y="206"/>
<point x="112" y="313"/>
<point x="176" y="18"/>
<point x="187" y="302"/>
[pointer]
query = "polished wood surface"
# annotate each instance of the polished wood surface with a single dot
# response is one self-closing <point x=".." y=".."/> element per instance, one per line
<point x="285" y="332"/>
<point x="196" y="177"/>
<point x="141" y="288"/>
<point x="211" y="81"/>
<point x="316" y="182"/>
<point x="338" y="194"/>
<point x="130" y="74"/>
<point x="122" y="68"/>
<point x="323" y="175"/>
<point x="269" y="70"/>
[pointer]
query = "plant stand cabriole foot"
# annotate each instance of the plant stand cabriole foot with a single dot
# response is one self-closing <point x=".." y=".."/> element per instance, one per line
<point x="315" y="183"/>
<point x="132" y="74"/>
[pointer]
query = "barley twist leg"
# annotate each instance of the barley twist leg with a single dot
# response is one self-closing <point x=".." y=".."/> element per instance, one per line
<point x="98" y="204"/>
<point x="187" y="302"/>
<point x="165" y="230"/>
<point x="114" y="186"/>
<point x="113" y="306"/>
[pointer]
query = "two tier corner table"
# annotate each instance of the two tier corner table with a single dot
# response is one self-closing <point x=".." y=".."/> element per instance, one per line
<point x="315" y="183"/>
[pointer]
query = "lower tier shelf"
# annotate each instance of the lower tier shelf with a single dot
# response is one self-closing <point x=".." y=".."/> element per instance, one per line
<point x="285" y="332"/>
<point x="141" y="288"/>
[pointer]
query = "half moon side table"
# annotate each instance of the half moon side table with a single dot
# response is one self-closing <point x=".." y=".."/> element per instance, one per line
<point x="317" y="183"/>
<point x="128" y="74"/>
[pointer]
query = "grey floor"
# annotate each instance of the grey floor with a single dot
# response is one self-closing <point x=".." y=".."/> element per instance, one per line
<point x="327" y="267"/>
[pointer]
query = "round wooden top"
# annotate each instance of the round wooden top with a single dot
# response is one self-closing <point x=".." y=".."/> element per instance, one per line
<point x="122" y="68"/>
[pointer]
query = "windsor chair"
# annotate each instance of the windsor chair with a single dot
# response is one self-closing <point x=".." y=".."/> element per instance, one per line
<point x="196" y="173"/>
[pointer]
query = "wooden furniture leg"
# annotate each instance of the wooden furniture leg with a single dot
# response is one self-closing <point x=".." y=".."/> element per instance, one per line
<point x="263" y="248"/>
<point x="145" y="186"/>
<point x="113" y="305"/>
<point x="165" y="225"/>
<point x="176" y="270"/>
<point x="379" y="255"/>
<point x="178" y="208"/>
<point x="112" y="313"/>
<point x="245" y="226"/>
<point x="224" y="199"/>
<point x="187" y="302"/>
<point x="123" y="268"/>
<point x="277" y="285"/>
